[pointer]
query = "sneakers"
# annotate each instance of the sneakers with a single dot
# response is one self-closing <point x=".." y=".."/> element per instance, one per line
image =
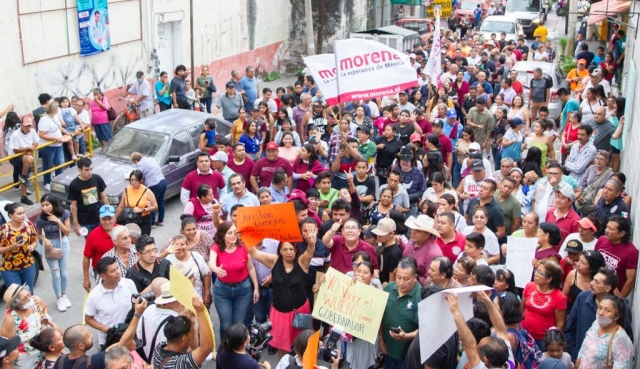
<point x="66" y="301"/>
<point x="25" y="200"/>
<point x="47" y="187"/>
<point x="75" y="157"/>
<point x="62" y="307"/>
<point x="17" y="188"/>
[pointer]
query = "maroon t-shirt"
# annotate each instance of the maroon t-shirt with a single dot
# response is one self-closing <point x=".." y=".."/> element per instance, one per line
<point x="194" y="179"/>
<point x="453" y="248"/>
<point x="244" y="168"/>
<point x="265" y="168"/>
<point x="619" y="257"/>
<point x="341" y="256"/>
<point x="446" y="147"/>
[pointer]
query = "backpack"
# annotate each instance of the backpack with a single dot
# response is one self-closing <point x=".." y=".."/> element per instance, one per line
<point x="527" y="354"/>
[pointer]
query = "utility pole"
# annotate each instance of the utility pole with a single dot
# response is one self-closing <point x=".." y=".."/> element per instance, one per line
<point x="311" y="46"/>
<point x="572" y="15"/>
<point x="193" y="69"/>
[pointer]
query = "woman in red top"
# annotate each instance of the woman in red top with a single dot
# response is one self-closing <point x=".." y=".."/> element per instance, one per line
<point x="570" y="133"/>
<point x="232" y="292"/>
<point x="306" y="168"/>
<point x="543" y="303"/>
<point x="608" y="62"/>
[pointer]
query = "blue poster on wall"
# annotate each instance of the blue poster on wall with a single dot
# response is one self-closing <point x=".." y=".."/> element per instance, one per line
<point x="93" y="26"/>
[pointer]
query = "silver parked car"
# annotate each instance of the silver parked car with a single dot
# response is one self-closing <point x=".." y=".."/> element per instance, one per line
<point x="549" y="70"/>
<point x="170" y="137"/>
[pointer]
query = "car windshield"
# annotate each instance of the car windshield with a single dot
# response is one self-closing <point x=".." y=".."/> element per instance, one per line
<point x="497" y="27"/>
<point x="468" y="5"/>
<point x="130" y="140"/>
<point x="523" y="6"/>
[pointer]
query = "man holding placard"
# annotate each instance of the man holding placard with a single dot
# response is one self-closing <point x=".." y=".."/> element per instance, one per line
<point x="400" y="320"/>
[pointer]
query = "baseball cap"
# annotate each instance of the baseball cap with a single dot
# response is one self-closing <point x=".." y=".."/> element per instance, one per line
<point x="8" y="345"/>
<point x="402" y="93"/>
<point x="451" y="113"/>
<point x="364" y="130"/>
<point x="384" y="227"/>
<point x="565" y="190"/>
<point x="582" y="61"/>
<point x="412" y="55"/>
<point x="220" y="156"/>
<point x="474" y="146"/>
<point x="437" y="122"/>
<point x="415" y="137"/>
<point x="107" y="211"/>
<point x="27" y="123"/>
<point x="551" y="363"/>
<point x="272" y="146"/>
<point x="405" y="154"/>
<point x="139" y="74"/>
<point x="230" y="85"/>
<point x="586" y="223"/>
<point x="369" y="232"/>
<point x="597" y="72"/>
<point x="574" y="246"/>
<point x="517" y="121"/>
<point x="477" y="165"/>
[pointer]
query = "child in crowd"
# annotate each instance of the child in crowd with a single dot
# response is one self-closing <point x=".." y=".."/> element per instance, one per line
<point x="555" y="342"/>
<point x="69" y="116"/>
<point x="208" y="135"/>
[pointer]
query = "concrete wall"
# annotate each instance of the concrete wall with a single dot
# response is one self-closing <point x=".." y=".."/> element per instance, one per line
<point x="631" y="153"/>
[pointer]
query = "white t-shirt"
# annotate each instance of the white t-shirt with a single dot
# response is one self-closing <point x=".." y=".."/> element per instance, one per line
<point x="110" y="307"/>
<point x="197" y="264"/>
<point x="151" y="319"/>
<point x="143" y="89"/>
<point x="491" y="245"/>
<point x="51" y="127"/>
<point x="487" y="167"/>
<point x="19" y="139"/>
<point x="85" y="117"/>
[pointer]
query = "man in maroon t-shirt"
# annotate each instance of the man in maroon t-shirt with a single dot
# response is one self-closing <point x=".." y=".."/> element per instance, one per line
<point x="241" y="163"/>
<point x="262" y="172"/>
<point x="619" y="254"/>
<point x="343" y="247"/>
<point x="202" y="175"/>
<point x="446" y="147"/>
<point x="450" y="242"/>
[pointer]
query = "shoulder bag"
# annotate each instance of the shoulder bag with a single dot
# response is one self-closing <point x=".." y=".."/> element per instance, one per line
<point x="129" y="214"/>
<point x="609" y="363"/>
<point x="54" y="253"/>
<point x="586" y="205"/>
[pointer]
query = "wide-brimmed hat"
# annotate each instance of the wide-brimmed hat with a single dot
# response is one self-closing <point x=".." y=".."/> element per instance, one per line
<point x="422" y="223"/>
<point x="12" y="292"/>
<point x="166" y="296"/>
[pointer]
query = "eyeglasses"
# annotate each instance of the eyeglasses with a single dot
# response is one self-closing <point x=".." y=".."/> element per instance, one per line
<point x="538" y="272"/>
<point x="554" y="173"/>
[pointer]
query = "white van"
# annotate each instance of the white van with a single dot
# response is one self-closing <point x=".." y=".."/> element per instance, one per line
<point x="529" y="13"/>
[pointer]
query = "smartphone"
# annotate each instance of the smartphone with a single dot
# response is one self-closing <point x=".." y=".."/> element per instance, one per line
<point x="19" y="239"/>
<point x="395" y="330"/>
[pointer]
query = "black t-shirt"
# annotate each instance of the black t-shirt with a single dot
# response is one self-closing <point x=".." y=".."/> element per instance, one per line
<point x="97" y="362"/>
<point x="404" y="133"/>
<point x="388" y="153"/>
<point x="142" y="278"/>
<point x="524" y="49"/>
<point x="468" y="103"/>
<point x="87" y="195"/>
<point x="366" y="187"/>
<point x="37" y="114"/>
<point x="388" y="259"/>
<point x="445" y="357"/>
<point x="495" y="215"/>
<point x="177" y="86"/>
<point x="226" y="359"/>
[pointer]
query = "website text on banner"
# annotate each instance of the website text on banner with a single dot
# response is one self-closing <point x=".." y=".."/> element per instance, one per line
<point x="93" y="26"/>
<point x="361" y="69"/>
<point x="278" y="221"/>
<point x="520" y="252"/>
<point x="351" y="304"/>
<point x="436" y="321"/>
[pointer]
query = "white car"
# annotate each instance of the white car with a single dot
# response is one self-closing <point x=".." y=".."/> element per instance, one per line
<point x="498" y="24"/>
<point x="549" y="70"/>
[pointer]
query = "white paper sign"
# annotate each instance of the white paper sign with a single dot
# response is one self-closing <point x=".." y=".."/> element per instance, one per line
<point x="436" y="321"/>
<point x="520" y="252"/>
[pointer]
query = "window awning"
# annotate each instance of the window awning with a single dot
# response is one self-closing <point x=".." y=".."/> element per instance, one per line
<point x="607" y="8"/>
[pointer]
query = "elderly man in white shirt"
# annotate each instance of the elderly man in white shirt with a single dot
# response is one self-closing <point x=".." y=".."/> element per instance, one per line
<point x="141" y="89"/>
<point x="24" y="141"/>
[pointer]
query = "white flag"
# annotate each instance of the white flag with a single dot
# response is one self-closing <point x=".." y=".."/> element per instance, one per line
<point x="323" y="69"/>
<point x="434" y="63"/>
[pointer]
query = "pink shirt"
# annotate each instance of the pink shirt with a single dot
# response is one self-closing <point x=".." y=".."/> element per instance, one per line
<point x="99" y="115"/>
<point x="234" y="263"/>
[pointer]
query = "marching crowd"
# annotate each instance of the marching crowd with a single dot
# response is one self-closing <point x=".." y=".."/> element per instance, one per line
<point x="410" y="193"/>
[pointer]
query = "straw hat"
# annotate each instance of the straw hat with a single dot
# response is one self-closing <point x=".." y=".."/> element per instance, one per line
<point x="166" y="296"/>
<point x="13" y="292"/>
<point x="422" y="223"/>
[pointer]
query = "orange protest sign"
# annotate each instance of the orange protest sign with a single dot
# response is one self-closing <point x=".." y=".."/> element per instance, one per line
<point x="276" y="221"/>
<point x="310" y="356"/>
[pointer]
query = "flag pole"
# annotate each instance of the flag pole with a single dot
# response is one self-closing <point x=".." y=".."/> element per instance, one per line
<point x="335" y="55"/>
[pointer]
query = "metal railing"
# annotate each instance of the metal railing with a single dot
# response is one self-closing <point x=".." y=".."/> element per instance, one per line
<point x="34" y="166"/>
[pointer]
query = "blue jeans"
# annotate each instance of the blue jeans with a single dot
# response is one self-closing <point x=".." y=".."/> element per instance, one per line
<point x="497" y="157"/>
<point x="51" y="156"/>
<point x="232" y="303"/>
<point x="261" y="308"/>
<point x="21" y="277"/>
<point x="158" y="191"/>
<point x="207" y="103"/>
<point x="455" y="176"/>
<point x="391" y="363"/>
<point x="59" y="268"/>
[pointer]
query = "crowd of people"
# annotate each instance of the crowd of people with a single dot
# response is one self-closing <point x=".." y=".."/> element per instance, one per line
<point x="410" y="193"/>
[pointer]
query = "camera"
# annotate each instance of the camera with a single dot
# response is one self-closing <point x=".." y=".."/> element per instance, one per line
<point x="149" y="296"/>
<point x="259" y="337"/>
<point x="328" y="351"/>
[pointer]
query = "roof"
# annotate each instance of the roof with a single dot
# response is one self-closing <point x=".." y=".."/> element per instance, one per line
<point x="607" y="8"/>
<point x="501" y="18"/>
<point x="392" y="30"/>
<point x="530" y="65"/>
<point x="169" y="121"/>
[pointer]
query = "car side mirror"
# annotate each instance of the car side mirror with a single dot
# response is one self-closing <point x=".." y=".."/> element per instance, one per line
<point x="173" y="159"/>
